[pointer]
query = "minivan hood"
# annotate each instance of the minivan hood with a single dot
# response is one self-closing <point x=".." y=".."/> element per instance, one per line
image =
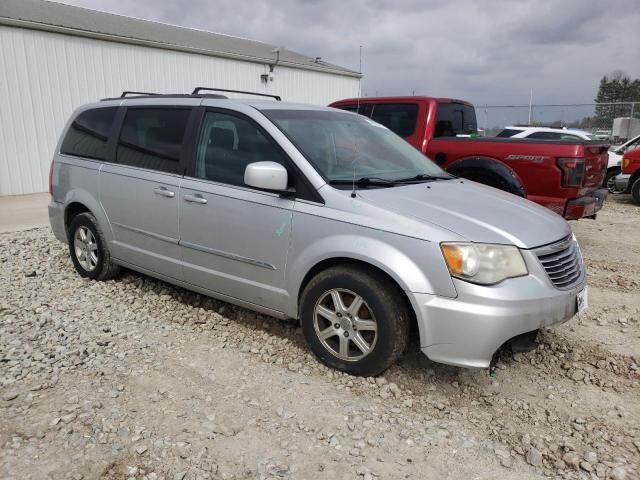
<point x="475" y="212"/>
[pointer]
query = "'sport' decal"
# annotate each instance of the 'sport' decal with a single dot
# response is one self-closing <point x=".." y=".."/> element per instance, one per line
<point x="528" y="158"/>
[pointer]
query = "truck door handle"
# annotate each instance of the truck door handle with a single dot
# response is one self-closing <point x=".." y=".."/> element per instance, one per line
<point x="164" y="192"/>
<point x="197" y="198"/>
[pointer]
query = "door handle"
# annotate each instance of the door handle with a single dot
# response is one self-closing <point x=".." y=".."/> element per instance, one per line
<point x="197" y="198"/>
<point x="164" y="192"/>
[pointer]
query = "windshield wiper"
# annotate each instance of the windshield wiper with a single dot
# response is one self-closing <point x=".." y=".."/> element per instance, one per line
<point x="365" y="182"/>
<point x="424" y="177"/>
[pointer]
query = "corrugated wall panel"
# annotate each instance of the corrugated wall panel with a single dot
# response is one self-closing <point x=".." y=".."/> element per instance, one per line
<point x="44" y="76"/>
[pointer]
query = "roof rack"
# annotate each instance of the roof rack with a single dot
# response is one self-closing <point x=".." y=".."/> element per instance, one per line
<point x="125" y="93"/>
<point x="197" y="90"/>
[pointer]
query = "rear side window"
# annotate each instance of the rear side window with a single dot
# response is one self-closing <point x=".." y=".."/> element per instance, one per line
<point x="508" y="132"/>
<point x="88" y="135"/>
<point x="400" y="118"/>
<point x="455" y="119"/>
<point x="153" y="138"/>
<point x="545" y="135"/>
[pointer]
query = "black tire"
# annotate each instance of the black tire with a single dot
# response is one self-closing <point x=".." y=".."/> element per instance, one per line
<point x="608" y="179"/>
<point x="383" y="302"/>
<point x="105" y="268"/>
<point x="635" y="191"/>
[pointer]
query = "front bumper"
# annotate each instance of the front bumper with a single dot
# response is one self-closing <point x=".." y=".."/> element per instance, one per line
<point x="622" y="182"/>
<point x="466" y="331"/>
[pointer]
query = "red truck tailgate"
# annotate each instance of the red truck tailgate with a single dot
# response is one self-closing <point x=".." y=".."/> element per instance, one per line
<point x="596" y="158"/>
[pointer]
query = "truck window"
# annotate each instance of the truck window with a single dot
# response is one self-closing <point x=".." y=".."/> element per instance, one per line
<point x="455" y="119"/>
<point x="362" y="109"/>
<point x="400" y="118"/>
<point x="508" y="132"/>
<point x="88" y="135"/>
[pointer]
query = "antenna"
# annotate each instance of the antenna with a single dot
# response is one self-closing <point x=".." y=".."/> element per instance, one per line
<point x="353" y="185"/>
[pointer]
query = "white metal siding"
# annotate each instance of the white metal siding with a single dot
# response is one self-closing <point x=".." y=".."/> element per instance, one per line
<point x="44" y="76"/>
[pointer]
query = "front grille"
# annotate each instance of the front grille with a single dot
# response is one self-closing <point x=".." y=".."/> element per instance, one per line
<point x="562" y="262"/>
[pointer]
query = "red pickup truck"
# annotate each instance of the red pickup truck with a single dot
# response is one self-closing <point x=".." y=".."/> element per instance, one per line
<point x="629" y="180"/>
<point x="563" y="175"/>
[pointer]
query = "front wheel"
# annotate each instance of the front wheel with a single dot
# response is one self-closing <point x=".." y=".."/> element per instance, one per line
<point x="354" y="320"/>
<point x="635" y="191"/>
<point x="610" y="180"/>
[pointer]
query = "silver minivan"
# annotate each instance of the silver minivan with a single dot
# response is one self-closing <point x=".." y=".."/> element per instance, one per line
<point x="314" y="214"/>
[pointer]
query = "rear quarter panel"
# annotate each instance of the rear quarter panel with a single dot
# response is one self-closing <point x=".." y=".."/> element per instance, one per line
<point x="78" y="180"/>
<point x="533" y="162"/>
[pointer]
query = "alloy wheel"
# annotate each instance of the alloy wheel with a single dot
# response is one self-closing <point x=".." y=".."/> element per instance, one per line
<point x="86" y="248"/>
<point x="345" y="324"/>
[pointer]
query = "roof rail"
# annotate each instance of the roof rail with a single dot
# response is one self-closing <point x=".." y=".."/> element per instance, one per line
<point x="125" y="93"/>
<point x="197" y="90"/>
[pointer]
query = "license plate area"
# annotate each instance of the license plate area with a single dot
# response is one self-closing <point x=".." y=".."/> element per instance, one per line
<point x="582" y="300"/>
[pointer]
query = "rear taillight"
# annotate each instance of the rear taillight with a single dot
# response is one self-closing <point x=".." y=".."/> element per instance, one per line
<point x="572" y="171"/>
<point x="51" y="179"/>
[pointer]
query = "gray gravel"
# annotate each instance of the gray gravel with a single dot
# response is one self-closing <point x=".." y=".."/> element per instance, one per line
<point x="134" y="378"/>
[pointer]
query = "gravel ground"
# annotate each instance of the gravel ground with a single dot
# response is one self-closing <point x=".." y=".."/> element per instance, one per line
<point x="134" y="378"/>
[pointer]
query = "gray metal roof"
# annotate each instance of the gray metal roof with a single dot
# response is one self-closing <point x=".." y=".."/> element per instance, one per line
<point x="70" y="20"/>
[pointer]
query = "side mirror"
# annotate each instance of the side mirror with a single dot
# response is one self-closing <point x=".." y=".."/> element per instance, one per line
<point x="266" y="176"/>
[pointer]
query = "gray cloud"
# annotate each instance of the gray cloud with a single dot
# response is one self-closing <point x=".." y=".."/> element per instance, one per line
<point x="489" y="52"/>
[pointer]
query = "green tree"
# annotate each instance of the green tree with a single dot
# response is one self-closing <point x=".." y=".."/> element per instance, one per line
<point x="616" y="87"/>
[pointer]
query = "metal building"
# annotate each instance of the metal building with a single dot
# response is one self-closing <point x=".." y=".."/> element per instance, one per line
<point x="55" y="57"/>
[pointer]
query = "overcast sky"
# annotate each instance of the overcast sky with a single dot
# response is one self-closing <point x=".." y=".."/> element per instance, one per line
<point x="488" y="52"/>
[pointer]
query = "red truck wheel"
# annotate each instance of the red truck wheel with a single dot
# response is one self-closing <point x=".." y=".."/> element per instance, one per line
<point x="635" y="191"/>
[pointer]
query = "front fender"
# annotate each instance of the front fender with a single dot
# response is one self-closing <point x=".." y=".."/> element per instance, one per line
<point x="397" y="259"/>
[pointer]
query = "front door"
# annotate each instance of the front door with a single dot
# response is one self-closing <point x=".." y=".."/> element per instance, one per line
<point x="233" y="238"/>
<point x="140" y="192"/>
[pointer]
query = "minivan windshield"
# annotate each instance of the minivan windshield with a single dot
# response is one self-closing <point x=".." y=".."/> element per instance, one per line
<point x="345" y="146"/>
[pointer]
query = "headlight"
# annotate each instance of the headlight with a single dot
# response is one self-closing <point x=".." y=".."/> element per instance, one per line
<point x="483" y="263"/>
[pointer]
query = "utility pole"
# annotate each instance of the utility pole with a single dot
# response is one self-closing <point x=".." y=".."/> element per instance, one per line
<point x="530" y="104"/>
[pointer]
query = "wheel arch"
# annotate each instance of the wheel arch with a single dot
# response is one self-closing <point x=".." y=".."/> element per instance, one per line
<point x="80" y="201"/>
<point x="73" y="210"/>
<point x="327" y="263"/>
<point x="492" y="166"/>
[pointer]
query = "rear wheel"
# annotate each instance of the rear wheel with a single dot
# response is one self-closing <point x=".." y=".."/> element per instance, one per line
<point x="635" y="191"/>
<point x="354" y="320"/>
<point x="88" y="249"/>
<point x="609" y="180"/>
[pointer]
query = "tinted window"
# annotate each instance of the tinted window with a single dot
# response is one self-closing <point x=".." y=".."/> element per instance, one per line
<point x="545" y="135"/>
<point x="89" y="134"/>
<point x="227" y="145"/>
<point x="455" y="119"/>
<point x="362" y="109"/>
<point x="508" y="132"/>
<point x="399" y="118"/>
<point x="152" y="138"/>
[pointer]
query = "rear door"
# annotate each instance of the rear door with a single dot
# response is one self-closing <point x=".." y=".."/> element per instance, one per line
<point x="234" y="238"/>
<point x="140" y="191"/>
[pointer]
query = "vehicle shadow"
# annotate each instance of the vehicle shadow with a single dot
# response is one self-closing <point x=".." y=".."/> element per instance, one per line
<point x="412" y="370"/>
